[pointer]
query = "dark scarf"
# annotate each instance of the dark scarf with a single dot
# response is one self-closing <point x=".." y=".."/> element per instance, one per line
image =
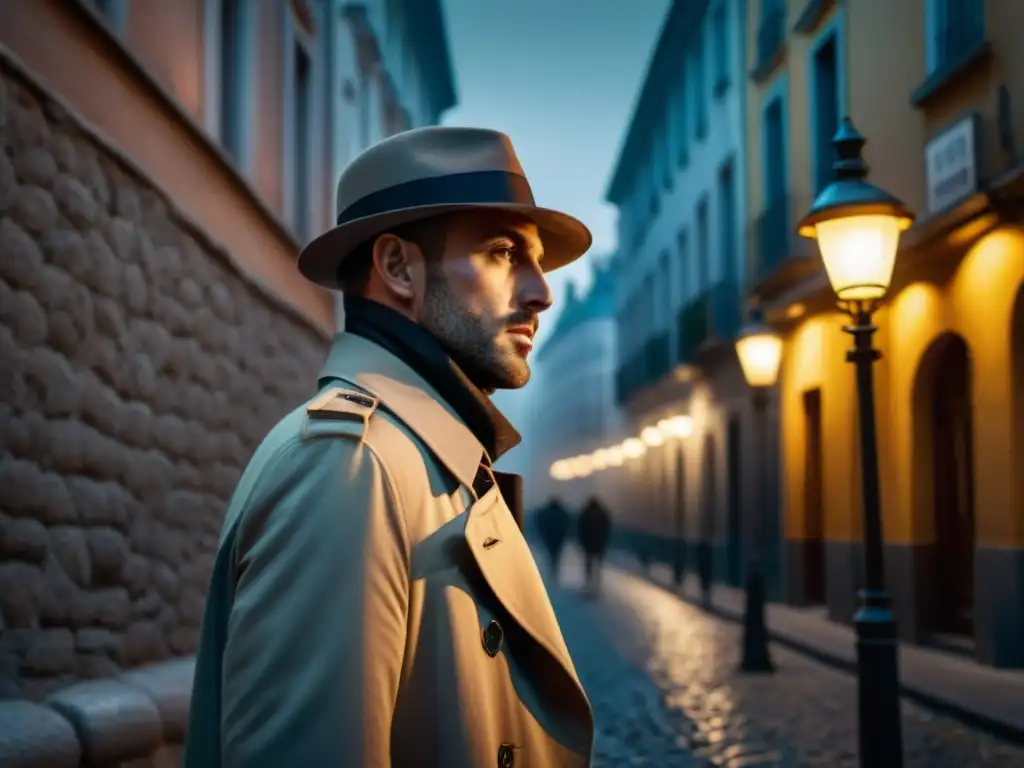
<point x="423" y="352"/>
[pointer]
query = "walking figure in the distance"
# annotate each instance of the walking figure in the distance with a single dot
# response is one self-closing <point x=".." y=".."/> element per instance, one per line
<point x="553" y="521"/>
<point x="594" y="531"/>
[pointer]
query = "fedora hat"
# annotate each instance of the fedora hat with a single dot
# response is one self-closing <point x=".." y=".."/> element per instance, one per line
<point x="427" y="172"/>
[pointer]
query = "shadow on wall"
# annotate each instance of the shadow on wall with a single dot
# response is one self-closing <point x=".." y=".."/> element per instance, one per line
<point x="138" y="370"/>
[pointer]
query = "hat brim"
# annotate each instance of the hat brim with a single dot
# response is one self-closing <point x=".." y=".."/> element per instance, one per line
<point x="565" y="238"/>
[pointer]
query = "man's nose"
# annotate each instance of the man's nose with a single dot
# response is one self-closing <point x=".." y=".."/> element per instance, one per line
<point x="534" y="291"/>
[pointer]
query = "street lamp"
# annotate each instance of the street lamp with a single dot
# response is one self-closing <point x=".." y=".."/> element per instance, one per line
<point x="857" y="226"/>
<point x="760" y="352"/>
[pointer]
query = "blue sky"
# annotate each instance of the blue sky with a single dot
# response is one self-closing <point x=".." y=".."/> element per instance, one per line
<point x="560" y="77"/>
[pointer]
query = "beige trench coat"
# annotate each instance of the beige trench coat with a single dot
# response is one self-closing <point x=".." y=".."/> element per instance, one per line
<point x="368" y="608"/>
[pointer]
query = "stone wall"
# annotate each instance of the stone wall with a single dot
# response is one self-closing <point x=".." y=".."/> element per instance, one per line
<point x="138" y="371"/>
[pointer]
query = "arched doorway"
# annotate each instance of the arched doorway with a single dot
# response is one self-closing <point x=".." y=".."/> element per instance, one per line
<point x="708" y="507"/>
<point x="945" y="479"/>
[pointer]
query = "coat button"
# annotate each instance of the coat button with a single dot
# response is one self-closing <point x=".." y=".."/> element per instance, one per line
<point x="506" y="758"/>
<point x="492" y="638"/>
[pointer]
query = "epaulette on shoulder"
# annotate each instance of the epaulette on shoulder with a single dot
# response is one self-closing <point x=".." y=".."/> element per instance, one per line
<point x="340" y="412"/>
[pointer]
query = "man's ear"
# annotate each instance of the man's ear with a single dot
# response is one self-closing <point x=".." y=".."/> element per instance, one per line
<point x="399" y="265"/>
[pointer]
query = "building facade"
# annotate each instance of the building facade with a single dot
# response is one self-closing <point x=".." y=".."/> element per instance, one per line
<point x="573" y="409"/>
<point x="681" y="276"/>
<point x="160" y="166"/>
<point x="943" y="136"/>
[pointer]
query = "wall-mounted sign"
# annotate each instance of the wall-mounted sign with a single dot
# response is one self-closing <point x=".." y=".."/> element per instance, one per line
<point x="951" y="164"/>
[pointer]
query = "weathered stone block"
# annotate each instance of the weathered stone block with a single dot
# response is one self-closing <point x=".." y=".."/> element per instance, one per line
<point x="34" y="736"/>
<point x="113" y="720"/>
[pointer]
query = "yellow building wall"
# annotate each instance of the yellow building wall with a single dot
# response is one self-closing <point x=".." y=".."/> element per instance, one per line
<point x="977" y="304"/>
<point x="794" y="69"/>
<point x="885" y="49"/>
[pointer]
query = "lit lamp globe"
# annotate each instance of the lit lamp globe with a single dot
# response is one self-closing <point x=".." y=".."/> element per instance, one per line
<point x="652" y="436"/>
<point x="560" y="471"/>
<point x="676" y="426"/>
<point x="633" y="448"/>
<point x="857" y="225"/>
<point x="614" y="456"/>
<point x="599" y="459"/>
<point x="582" y="466"/>
<point x="759" y="349"/>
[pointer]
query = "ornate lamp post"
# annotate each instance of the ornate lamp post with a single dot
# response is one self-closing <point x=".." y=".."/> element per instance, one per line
<point x="857" y="226"/>
<point x="760" y="352"/>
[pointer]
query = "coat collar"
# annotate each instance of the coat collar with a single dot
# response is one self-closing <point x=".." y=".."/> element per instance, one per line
<point x="404" y="392"/>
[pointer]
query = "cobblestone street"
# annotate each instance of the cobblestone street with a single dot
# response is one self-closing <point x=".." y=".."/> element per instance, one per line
<point x="661" y="675"/>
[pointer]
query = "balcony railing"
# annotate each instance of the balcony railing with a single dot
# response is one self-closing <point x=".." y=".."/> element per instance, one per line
<point x="711" y="318"/>
<point x="693" y="329"/>
<point x="657" y="360"/>
<point x="771" y="37"/>
<point x="643" y="368"/>
<point x="772" y="240"/>
<point x="773" y="235"/>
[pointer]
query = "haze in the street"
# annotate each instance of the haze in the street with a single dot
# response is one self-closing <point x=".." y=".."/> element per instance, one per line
<point x="560" y="77"/>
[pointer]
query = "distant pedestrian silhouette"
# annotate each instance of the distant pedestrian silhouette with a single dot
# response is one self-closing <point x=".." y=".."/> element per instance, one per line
<point x="594" y="531"/>
<point x="553" y="521"/>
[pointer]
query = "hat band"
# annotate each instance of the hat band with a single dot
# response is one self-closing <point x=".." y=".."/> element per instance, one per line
<point x="472" y="188"/>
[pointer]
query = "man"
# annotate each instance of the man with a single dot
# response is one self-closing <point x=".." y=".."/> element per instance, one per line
<point x="373" y="601"/>
<point x="594" y="529"/>
<point x="553" y="523"/>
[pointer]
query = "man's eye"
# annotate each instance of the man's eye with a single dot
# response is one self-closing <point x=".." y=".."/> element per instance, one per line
<point x="503" y="252"/>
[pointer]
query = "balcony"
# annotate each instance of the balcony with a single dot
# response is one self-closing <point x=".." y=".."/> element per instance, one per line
<point x="711" y="319"/>
<point x="960" y="47"/>
<point x="643" y="368"/>
<point x="771" y="43"/>
<point x="775" y="249"/>
<point x="657" y="362"/>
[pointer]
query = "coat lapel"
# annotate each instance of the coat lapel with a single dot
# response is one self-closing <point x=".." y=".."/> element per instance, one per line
<point x="505" y="560"/>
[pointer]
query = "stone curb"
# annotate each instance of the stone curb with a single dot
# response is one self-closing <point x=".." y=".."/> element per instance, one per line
<point x="99" y="722"/>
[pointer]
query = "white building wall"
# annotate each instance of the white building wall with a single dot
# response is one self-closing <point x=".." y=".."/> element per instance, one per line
<point x="677" y="205"/>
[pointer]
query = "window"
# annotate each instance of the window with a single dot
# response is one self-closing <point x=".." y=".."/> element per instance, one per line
<point x="650" y="319"/>
<point x="771" y="35"/>
<point x="955" y="29"/>
<point x="727" y="221"/>
<point x="665" y="154"/>
<point x="302" y="157"/>
<point x="775" y="151"/>
<point x="683" y="246"/>
<point x="700" y="100"/>
<point x="682" y="127"/>
<point x="720" y="33"/>
<point x="702" y="244"/>
<point x="229" y="36"/>
<point x="774" y="225"/>
<point x="664" y="291"/>
<point x="825" y="109"/>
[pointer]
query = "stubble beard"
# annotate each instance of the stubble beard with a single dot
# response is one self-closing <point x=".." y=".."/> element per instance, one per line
<point x="470" y="343"/>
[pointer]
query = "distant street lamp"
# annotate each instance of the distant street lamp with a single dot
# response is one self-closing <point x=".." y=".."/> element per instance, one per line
<point x="760" y="352"/>
<point x="857" y="226"/>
